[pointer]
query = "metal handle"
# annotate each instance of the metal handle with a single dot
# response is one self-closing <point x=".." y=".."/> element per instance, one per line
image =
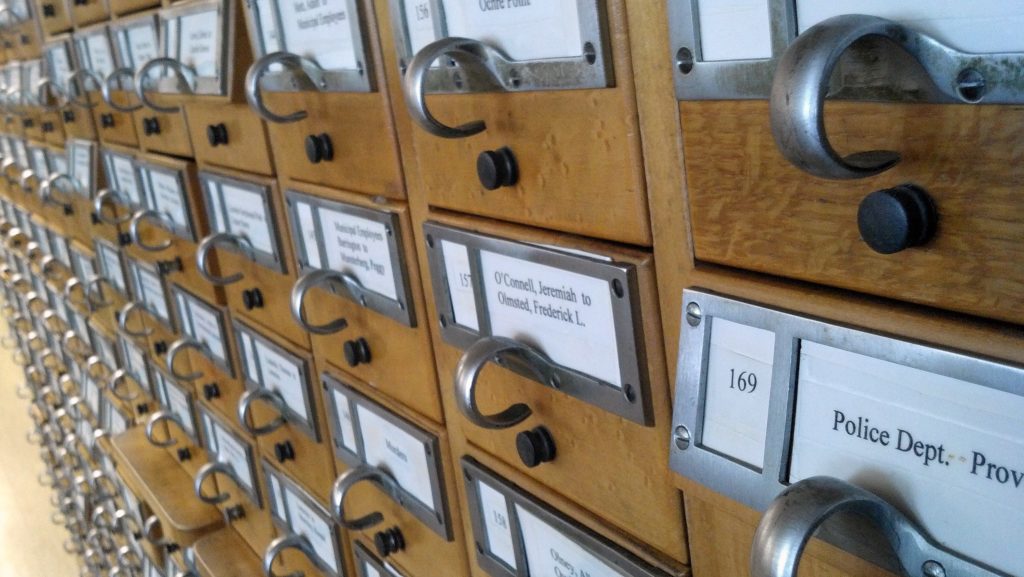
<point x="222" y="238"/>
<point x="123" y="518"/>
<point x="14" y="237"/>
<point x="149" y="214"/>
<point x="123" y="552"/>
<point x="184" y="74"/>
<point x="23" y="179"/>
<point x="148" y="529"/>
<point x="312" y="76"/>
<point x="77" y="85"/>
<point x="96" y="481"/>
<point x="107" y="88"/>
<point x="797" y="512"/>
<point x="324" y="278"/>
<point x="69" y="289"/>
<point x="503" y="351"/>
<point x="151" y="424"/>
<point x="175" y="349"/>
<point x="121" y="376"/>
<point x="206" y="471"/>
<point x="245" y="407"/>
<point x="290" y="541"/>
<point x="42" y="87"/>
<point x="47" y="265"/>
<point x="52" y="321"/>
<point x="76" y="344"/>
<point x="47" y="187"/>
<point x="122" y="320"/>
<point x="101" y="200"/>
<point x="96" y="282"/>
<point x="91" y="363"/>
<point x="474" y="55"/>
<point x="101" y="517"/>
<point x="349" y="479"/>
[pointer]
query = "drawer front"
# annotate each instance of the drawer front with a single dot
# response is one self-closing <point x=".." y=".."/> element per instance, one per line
<point x="78" y="123"/>
<point x="230" y="136"/>
<point x="122" y="7"/>
<point x="89" y="12"/>
<point x="368" y="249"/>
<point x="114" y="127"/>
<point x="161" y="132"/>
<point x="528" y="299"/>
<point x="414" y="488"/>
<point x="56" y="17"/>
<point x="53" y="128"/>
<point x="184" y="427"/>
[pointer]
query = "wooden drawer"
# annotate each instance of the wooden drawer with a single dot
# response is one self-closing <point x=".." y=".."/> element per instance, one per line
<point x="372" y="243"/>
<point x="114" y="126"/>
<point x="122" y="7"/>
<point x="55" y="16"/>
<point x="249" y="212"/>
<point x="225" y="554"/>
<point x="177" y="423"/>
<point x="52" y="127"/>
<point x="78" y="123"/>
<point x="230" y="136"/>
<point x="550" y="294"/>
<point x="376" y="443"/>
<point x="163" y="132"/>
<point x="89" y="12"/>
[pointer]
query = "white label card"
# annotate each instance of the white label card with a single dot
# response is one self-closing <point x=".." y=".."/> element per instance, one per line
<point x="268" y="25"/>
<point x="168" y="196"/>
<point x="277" y="498"/>
<point x="950" y="452"/>
<point x="81" y="167"/>
<point x="284" y="375"/>
<point x="460" y="284"/>
<point x="343" y="412"/>
<point x="419" y="21"/>
<point x="320" y="30"/>
<point x="142" y="44"/>
<point x="307" y="227"/>
<point x="568" y="315"/>
<point x="361" y="247"/>
<point x="60" y="65"/>
<point x="494" y="511"/>
<point x="111" y="262"/>
<point x="550" y="553"/>
<point x="306" y="522"/>
<point x="39" y="164"/>
<point x="734" y="29"/>
<point x="393" y="449"/>
<point x="246" y="217"/>
<point x="234" y="454"/>
<point x="101" y="58"/>
<point x="127" y="184"/>
<point x="200" y="37"/>
<point x="738" y="390"/>
<point x="523" y="29"/>
<point x="152" y="289"/>
<point x="179" y="406"/>
<point x="207" y="330"/>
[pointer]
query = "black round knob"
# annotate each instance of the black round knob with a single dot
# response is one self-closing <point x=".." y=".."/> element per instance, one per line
<point x="47" y="127"/>
<point x="235" y="512"/>
<point x="151" y="126"/>
<point x="142" y="408"/>
<point x="94" y="218"/>
<point x="897" y="218"/>
<point x="49" y="10"/>
<point x="357" y="352"/>
<point x="284" y="451"/>
<point x="124" y="238"/>
<point x="535" y="446"/>
<point x="160" y="347"/>
<point x="69" y="116"/>
<point x="252" y="299"/>
<point x="168" y="266"/>
<point x="106" y="120"/>
<point x="217" y="134"/>
<point x="68" y="210"/>
<point x="172" y="548"/>
<point x="497" y="168"/>
<point x="211" y="391"/>
<point x="184" y="454"/>
<point x="28" y="123"/>
<point x="388" y="541"/>
<point x="319" y="147"/>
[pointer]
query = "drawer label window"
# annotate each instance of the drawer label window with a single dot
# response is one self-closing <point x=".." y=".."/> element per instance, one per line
<point x="934" y="431"/>
<point x="121" y="173"/>
<point x="60" y="64"/>
<point x="299" y="514"/>
<point x="110" y="263"/>
<point x="142" y="45"/>
<point x="498" y="528"/>
<point x="199" y="38"/>
<point x="420" y="21"/>
<point x="576" y="308"/>
<point x="361" y="242"/>
<point x="177" y="402"/>
<point x="98" y="53"/>
<point x="385" y="440"/>
<point x="243" y="209"/>
<point x="225" y="447"/>
<point x="21" y="153"/>
<point x="321" y="31"/>
<point x="166" y="194"/>
<point x="149" y="288"/>
<point x="39" y="164"/>
<point x="269" y="366"/>
<point x="205" y="324"/>
<point x="135" y="363"/>
<point x="549" y="552"/>
<point x="523" y="29"/>
<point x="81" y="166"/>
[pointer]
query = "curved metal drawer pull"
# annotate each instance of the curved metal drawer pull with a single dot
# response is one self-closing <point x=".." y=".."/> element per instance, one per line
<point x="101" y="200"/>
<point x="106" y="89"/>
<point x="77" y="85"/>
<point x="14" y="237"/>
<point x="123" y="518"/>
<point x="96" y="281"/>
<point x="123" y="552"/>
<point x="245" y="407"/>
<point x="91" y="363"/>
<point x="80" y="348"/>
<point x="23" y="179"/>
<point x="121" y="376"/>
<point x="149" y="214"/>
<point x="324" y="278"/>
<point x="47" y="187"/>
<point x="175" y="349"/>
<point x="502" y="351"/>
<point x="52" y="321"/>
<point x="69" y="288"/>
<point x="148" y="529"/>
<point x="60" y="99"/>
<point x="122" y="320"/>
<point x="474" y="55"/>
<point x="212" y="241"/>
<point x="349" y="479"/>
<point x="207" y="470"/>
<point x="289" y="541"/>
<point x="184" y="74"/>
<point x="802" y="80"/>
<point x="312" y="74"/>
<point x="47" y="264"/>
<point x="158" y="417"/>
<point x="797" y="512"/>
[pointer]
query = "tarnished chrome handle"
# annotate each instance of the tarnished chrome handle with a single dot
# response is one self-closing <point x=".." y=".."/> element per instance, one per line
<point x="185" y="75"/>
<point x="15" y="236"/>
<point x="47" y="265"/>
<point x="114" y="385"/>
<point x="69" y="289"/>
<point x="472" y="54"/>
<point x="311" y="75"/>
<point x="149" y="528"/>
<point x="96" y="282"/>
<point x="77" y="85"/>
<point x="277" y="546"/>
<point x="323" y="278"/>
<point x="509" y="351"/>
<point x="92" y="363"/>
<point x="206" y="471"/>
<point x="349" y="479"/>
<point x="175" y="349"/>
<point x="23" y="179"/>
<point x="107" y="88"/>
<point x="76" y="344"/>
<point x="245" y="408"/>
<point x="123" y="554"/>
<point x="45" y="85"/>
<point x="154" y="420"/>
<point x="212" y="241"/>
<point x="122" y="320"/>
<point x="148" y="214"/>
<point x="123" y="519"/>
<point x="797" y="512"/>
<point x="48" y="186"/>
<point x="53" y="321"/>
<point x="103" y="198"/>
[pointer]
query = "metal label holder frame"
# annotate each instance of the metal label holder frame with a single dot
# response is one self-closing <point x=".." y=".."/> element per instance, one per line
<point x="626" y="314"/>
<point x="71" y="145"/>
<point x="364" y="558"/>
<point x="205" y="85"/>
<point x="162" y="381"/>
<point x="400" y="310"/>
<point x="126" y="354"/>
<point x="114" y="182"/>
<point x="208" y="181"/>
<point x="102" y="245"/>
<point x="83" y="56"/>
<point x="186" y="324"/>
<point x="119" y="30"/>
<point x="757" y="488"/>
<point x="143" y="170"/>
<point x="59" y="42"/>
<point x="136" y="268"/>
<point x="438" y="518"/>
<point x="294" y="419"/>
<point x="598" y="546"/>
<point x="214" y="426"/>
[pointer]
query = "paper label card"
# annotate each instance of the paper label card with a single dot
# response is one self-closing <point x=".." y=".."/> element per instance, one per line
<point x="142" y="44"/>
<point x="737" y="390"/>
<point x="101" y="58"/>
<point x="393" y="449"/>
<point x="247" y="217"/>
<point x="200" y="39"/>
<point x="168" y="196"/>
<point x="320" y="30"/>
<point x="549" y="553"/>
<point x="306" y="522"/>
<point x="460" y="284"/>
<point x="307" y="227"/>
<point x="284" y="375"/>
<point x="180" y="406"/>
<point x="419" y="22"/>
<point x="494" y="512"/>
<point x="523" y="29"/>
<point x="233" y="453"/>
<point x="127" y="183"/>
<point x="81" y="167"/>
<point x="361" y="247"/>
<point x="207" y="330"/>
<point x="343" y="412"/>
